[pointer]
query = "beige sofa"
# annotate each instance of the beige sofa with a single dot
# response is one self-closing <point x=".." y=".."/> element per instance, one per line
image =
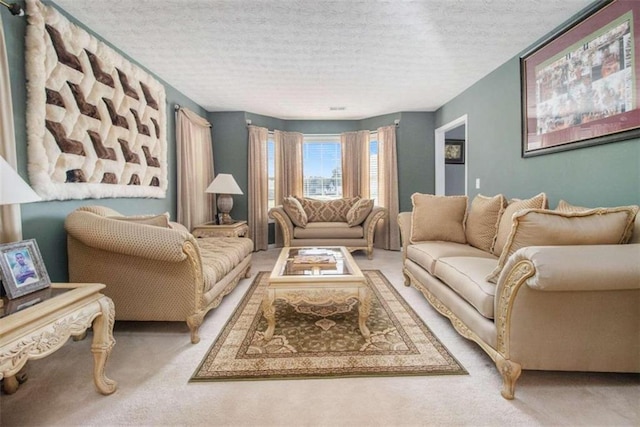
<point x="349" y="222"/>
<point x="566" y="294"/>
<point x="154" y="269"/>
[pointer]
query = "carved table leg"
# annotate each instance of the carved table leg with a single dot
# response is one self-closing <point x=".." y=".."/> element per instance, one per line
<point x="269" y="313"/>
<point x="364" y="309"/>
<point x="102" y="344"/>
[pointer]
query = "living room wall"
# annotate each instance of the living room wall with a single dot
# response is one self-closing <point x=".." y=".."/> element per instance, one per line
<point x="44" y="221"/>
<point x="415" y="136"/>
<point x="603" y="175"/>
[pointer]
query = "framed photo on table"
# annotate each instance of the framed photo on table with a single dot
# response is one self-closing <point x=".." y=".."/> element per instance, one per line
<point x="454" y="151"/>
<point x="22" y="270"/>
<point x="580" y="87"/>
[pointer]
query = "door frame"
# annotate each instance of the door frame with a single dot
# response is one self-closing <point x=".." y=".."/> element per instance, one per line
<point x="439" y="153"/>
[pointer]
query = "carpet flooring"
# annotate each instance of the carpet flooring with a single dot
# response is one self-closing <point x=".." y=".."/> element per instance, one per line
<point x="325" y="341"/>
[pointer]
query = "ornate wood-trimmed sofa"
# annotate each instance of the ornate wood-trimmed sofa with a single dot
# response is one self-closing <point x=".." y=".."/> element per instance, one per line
<point x="349" y="222"/>
<point x="566" y="289"/>
<point x="154" y="269"/>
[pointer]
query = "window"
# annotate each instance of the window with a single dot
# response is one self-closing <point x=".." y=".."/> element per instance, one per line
<point x="322" y="167"/>
<point x="271" y="171"/>
<point x="373" y="167"/>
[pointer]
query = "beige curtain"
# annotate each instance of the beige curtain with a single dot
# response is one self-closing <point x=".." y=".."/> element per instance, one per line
<point x="258" y="188"/>
<point x="388" y="233"/>
<point x="195" y="168"/>
<point x="355" y="163"/>
<point x="10" y="219"/>
<point x="289" y="174"/>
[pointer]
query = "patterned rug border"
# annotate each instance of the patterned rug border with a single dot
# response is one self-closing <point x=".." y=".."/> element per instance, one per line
<point x="339" y="373"/>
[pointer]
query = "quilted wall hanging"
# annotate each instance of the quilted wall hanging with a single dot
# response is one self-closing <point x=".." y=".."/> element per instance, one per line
<point x="96" y="123"/>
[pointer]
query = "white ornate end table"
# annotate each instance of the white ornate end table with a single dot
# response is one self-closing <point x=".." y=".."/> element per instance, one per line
<point x="52" y="316"/>
<point x="211" y="229"/>
<point x="318" y="283"/>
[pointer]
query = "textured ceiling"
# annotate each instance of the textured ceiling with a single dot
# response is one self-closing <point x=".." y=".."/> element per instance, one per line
<point x="297" y="59"/>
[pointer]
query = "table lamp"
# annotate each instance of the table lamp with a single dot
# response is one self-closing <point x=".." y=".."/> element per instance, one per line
<point x="224" y="186"/>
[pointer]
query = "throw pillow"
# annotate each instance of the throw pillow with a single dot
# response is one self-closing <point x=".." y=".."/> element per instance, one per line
<point x="327" y="210"/>
<point x="483" y="218"/>
<point x="543" y="227"/>
<point x="566" y="207"/>
<point x="294" y="209"/>
<point x="155" y="220"/>
<point x="515" y="205"/>
<point x="359" y="212"/>
<point x="178" y="226"/>
<point x="438" y="218"/>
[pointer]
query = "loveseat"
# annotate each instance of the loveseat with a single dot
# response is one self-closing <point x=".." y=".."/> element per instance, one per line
<point x="154" y="269"/>
<point x="349" y="222"/>
<point x="535" y="288"/>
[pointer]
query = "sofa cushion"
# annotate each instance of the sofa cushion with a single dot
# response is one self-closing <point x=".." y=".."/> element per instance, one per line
<point x="515" y="205"/>
<point x="294" y="210"/>
<point x="327" y="210"/>
<point x="220" y="255"/>
<point x="328" y="230"/>
<point x="567" y="207"/>
<point x="155" y="220"/>
<point x="438" y="218"/>
<point x="482" y="222"/>
<point x="359" y="212"/>
<point x="426" y="254"/>
<point x="542" y="227"/>
<point x="467" y="277"/>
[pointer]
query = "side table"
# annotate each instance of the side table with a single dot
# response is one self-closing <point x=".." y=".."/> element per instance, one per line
<point x="52" y="316"/>
<point x="211" y="229"/>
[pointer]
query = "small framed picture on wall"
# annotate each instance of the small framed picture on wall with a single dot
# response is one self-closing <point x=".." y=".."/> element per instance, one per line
<point x="454" y="151"/>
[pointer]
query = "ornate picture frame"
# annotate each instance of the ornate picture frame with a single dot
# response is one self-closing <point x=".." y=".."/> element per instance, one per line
<point x="454" y="151"/>
<point x="579" y="86"/>
<point x="22" y="270"/>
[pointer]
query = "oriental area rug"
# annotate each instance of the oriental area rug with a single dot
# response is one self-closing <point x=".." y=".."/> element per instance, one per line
<point x="325" y="341"/>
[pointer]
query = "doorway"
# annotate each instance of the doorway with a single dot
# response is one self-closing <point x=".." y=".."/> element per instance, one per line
<point x="451" y="178"/>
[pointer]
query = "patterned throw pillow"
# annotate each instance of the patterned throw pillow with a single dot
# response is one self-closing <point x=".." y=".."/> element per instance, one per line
<point x="543" y="227"/>
<point x="438" y="218"/>
<point x="566" y="207"/>
<point x="294" y="209"/>
<point x="482" y="222"/>
<point x="359" y="212"/>
<point x="515" y="205"/>
<point x="327" y="210"/>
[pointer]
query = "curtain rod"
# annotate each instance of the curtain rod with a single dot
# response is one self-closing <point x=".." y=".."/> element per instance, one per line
<point x="395" y="122"/>
<point x="14" y="8"/>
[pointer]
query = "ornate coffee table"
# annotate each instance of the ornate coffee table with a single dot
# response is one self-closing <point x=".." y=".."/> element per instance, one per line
<point x="316" y="276"/>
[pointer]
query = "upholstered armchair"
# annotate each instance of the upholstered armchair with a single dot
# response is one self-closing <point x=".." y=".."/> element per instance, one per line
<point x="155" y="270"/>
<point x="324" y="228"/>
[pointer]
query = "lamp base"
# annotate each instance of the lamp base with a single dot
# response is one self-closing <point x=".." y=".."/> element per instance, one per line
<point x="225" y="203"/>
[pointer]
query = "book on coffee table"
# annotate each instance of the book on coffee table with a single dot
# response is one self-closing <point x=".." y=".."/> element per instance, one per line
<point x="311" y="261"/>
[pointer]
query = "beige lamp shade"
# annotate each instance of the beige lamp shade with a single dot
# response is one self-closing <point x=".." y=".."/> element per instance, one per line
<point x="13" y="189"/>
<point x="224" y="185"/>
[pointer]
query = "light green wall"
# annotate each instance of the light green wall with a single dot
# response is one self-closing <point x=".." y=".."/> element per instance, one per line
<point x="414" y="147"/>
<point x="604" y="175"/>
<point x="44" y="221"/>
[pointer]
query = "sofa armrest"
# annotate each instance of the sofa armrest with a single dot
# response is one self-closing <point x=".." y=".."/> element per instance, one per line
<point x="278" y="213"/>
<point x="369" y="224"/>
<point x="580" y="268"/>
<point x="129" y="238"/>
<point x="404" y="221"/>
